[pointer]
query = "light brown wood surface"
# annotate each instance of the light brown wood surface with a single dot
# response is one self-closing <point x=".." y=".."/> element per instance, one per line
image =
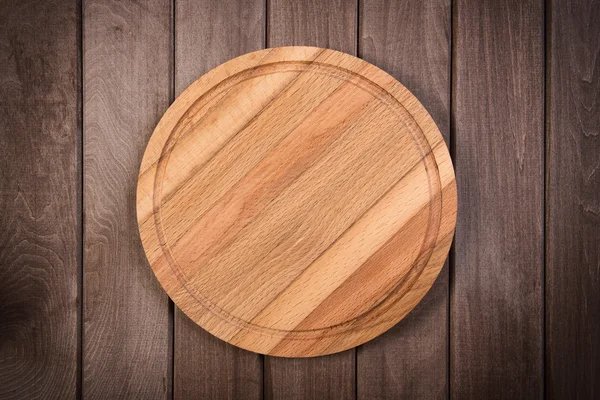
<point x="296" y="201"/>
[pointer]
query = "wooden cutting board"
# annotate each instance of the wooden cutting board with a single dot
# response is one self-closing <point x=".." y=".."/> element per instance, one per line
<point x="296" y="201"/>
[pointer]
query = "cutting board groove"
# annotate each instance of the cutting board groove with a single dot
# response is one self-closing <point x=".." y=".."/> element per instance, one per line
<point x="296" y="201"/>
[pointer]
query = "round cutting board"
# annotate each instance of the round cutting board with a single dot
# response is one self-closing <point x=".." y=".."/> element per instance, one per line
<point x="296" y="201"/>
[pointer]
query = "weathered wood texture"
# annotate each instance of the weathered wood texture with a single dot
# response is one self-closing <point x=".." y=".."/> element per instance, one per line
<point x="40" y="191"/>
<point x="410" y="361"/>
<point x="126" y="90"/>
<point x="327" y="377"/>
<point x="207" y="34"/>
<point x="330" y="24"/>
<point x="573" y="201"/>
<point x="496" y="327"/>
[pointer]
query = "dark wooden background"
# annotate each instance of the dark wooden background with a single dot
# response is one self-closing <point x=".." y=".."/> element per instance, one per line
<point x="513" y="85"/>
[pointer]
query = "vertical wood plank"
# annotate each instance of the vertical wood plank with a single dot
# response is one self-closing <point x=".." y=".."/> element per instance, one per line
<point x="330" y="24"/>
<point x="40" y="195"/>
<point x="410" y="361"/>
<point x="318" y="378"/>
<point x="208" y="33"/>
<point x="573" y="201"/>
<point x="496" y="297"/>
<point x="126" y="90"/>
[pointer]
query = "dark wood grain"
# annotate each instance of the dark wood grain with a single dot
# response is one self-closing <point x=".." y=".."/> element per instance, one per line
<point x="496" y="321"/>
<point x="320" y="378"/>
<point x="207" y="34"/>
<point x="496" y="327"/>
<point x="330" y="24"/>
<point x="573" y="201"/>
<point x="40" y="193"/>
<point x="126" y="313"/>
<point x="410" y="360"/>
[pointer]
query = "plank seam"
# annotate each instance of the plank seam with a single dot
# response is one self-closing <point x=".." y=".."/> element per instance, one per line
<point x="263" y="358"/>
<point x="357" y="54"/>
<point x="171" y="304"/>
<point x="81" y="244"/>
<point x="452" y="143"/>
<point x="546" y="122"/>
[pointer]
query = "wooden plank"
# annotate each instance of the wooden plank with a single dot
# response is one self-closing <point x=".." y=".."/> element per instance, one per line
<point x="207" y="34"/>
<point x="40" y="197"/>
<point x="410" y="360"/>
<point x="573" y="201"/>
<point x="496" y="330"/>
<point x="127" y="333"/>
<point x="330" y="24"/>
<point x="318" y="378"/>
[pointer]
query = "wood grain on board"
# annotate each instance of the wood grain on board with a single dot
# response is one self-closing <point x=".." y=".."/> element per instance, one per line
<point x="330" y="24"/>
<point x="296" y="201"/>
<point x="207" y="34"/>
<point x="410" y="360"/>
<point x="126" y="90"/>
<point x="39" y="199"/>
<point x="573" y="201"/>
<point x="496" y="328"/>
